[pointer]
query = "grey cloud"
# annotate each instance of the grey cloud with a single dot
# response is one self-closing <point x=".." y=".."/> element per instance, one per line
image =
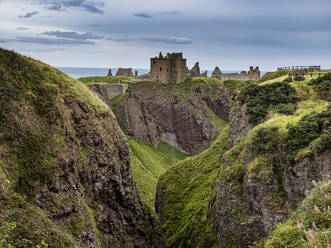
<point x="86" y="5"/>
<point x="47" y="41"/>
<point x="94" y="25"/>
<point x="73" y="35"/>
<point x="22" y="28"/>
<point x="142" y="15"/>
<point x="152" y="15"/>
<point x="171" y="40"/>
<point x="29" y="14"/>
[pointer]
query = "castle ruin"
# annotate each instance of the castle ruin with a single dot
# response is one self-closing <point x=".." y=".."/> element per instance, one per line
<point x="168" y="69"/>
<point x="252" y="74"/>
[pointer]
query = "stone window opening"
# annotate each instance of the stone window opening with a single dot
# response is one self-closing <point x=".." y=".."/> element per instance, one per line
<point x="160" y="68"/>
<point x="153" y="62"/>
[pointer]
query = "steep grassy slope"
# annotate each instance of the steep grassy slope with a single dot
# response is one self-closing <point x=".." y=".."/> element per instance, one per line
<point x="184" y="194"/>
<point x="65" y="177"/>
<point x="149" y="163"/>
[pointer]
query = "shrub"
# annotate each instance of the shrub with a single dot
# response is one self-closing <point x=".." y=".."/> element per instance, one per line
<point x="299" y="78"/>
<point x="260" y="97"/>
<point x="322" y="86"/>
<point x="310" y="127"/>
<point x="265" y="140"/>
<point x="288" y="80"/>
<point x="286" y="109"/>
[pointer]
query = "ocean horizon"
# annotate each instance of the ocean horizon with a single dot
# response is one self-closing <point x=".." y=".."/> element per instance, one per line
<point x="78" y="72"/>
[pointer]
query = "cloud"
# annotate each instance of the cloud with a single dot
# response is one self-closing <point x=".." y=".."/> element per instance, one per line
<point x="47" y="41"/>
<point x="142" y="15"/>
<point x="90" y="6"/>
<point x="51" y="41"/>
<point x="171" y="40"/>
<point x="74" y="35"/>
<point x="29" y="14"/>
<point x="94" y="25"/>
<point x="22" y="28"/>
<point x="152" y="15"/>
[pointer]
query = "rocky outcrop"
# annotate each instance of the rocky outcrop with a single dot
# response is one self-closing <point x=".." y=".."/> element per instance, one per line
<point x="126" y="72"/>
<point x="180" y="116"/>
<point x="69" y="159"/>
<point x="257" y="189"/>
<point x="248" y="205"/>
<point x="239" y="124"/>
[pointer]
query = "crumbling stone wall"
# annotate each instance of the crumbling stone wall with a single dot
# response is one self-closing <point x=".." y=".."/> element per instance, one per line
<point x="109" y="91"/>
<point x="252" y="74"/>
<point x="127" y="72"/>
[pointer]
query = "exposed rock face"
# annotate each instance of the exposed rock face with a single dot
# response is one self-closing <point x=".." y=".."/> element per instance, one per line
<point x="256" y="192"/>
<point x="195" y="71"/>
<point x="159" y="113"/>
<point x="239" y="125"/>
<point x="109" y="73"/>
<point x="127" y="72"/>
<point x="78" y="169"/>
<point x="248" y="216"/>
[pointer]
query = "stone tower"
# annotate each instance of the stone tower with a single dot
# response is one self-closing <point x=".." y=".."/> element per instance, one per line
<point x="168" y="69"/>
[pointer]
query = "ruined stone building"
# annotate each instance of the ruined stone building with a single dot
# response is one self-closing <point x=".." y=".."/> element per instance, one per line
<point x="168" y="69"/>
<point x="195" y="71"/>
<point x="252" y="74"/>
<point x="127" y="72"/>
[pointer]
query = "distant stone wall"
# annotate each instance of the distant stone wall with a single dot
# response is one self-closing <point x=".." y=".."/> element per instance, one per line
<point x="127" y="72"/>
<point x="252" y="74"/>
<point x="109" y="91"/>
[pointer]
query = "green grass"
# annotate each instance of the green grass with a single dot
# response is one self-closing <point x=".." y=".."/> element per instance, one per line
<point x="273" y="75"/>
<point x="187" y="191"/>
<point x="105" y="79"/>
<point x="149" y="163"/>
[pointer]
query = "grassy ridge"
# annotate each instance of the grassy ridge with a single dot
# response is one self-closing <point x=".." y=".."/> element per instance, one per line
<point x="149" y="163"/>
<point x="105" y="79"/>
<point x="187" y="189"/>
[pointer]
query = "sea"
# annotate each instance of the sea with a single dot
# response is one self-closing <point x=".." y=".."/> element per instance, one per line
<point x="78" y="72"/>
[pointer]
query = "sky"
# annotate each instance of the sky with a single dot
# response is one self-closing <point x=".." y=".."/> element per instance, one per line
<point x="230" y="34"/>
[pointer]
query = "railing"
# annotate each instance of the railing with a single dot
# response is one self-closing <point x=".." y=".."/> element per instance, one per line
<point x="301" y="67"/>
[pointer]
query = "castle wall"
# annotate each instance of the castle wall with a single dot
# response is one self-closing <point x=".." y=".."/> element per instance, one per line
<point x="169" y="69"/>
<point x="109" y="91"/>
<point x="252" y="74"/>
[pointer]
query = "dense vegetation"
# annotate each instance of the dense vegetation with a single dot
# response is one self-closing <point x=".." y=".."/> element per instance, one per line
<point x="149" y="163"/>
<point x="236" y="84"/>
<point x="259" y="98"/>
<point x="322" y="86"/>
<point x="188" y="190"/>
